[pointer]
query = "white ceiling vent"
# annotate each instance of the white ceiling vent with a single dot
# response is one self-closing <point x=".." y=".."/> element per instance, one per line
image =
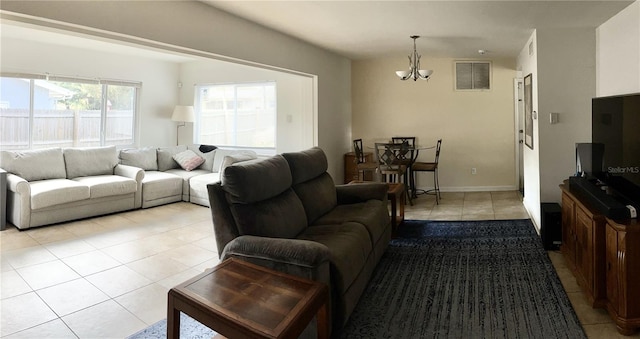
<point x="473" y="75"/>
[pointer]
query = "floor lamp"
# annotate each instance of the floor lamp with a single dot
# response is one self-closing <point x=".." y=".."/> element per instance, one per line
<point x="182" y="114"/>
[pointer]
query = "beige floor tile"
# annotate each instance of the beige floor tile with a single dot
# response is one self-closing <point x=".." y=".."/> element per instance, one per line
<point x="606" y="331"/>
<point x="48" y="234"/>
<point x="452" y="195"/>
<point x="106" y="317"/>
<point x="189" y="255"/>
<point x="113" y="222"/>
<point x="112" y="238"/>
<point x="71" y="296"/>
<point x="56" y="329"/>
<point x="4" y="264"/>
<point x="68" y="248"/>
<point x="479" y="216"/>
<point x="587" y="314"/>
<point x="12" y="284"/>
<point x="47" y="274"/>
<point x="148" y="303"/>
<point x="505" y="195"/>
<point x="118" y="281"/>
<point x="507" y="203"/>
<point x="91" y="262"/>
<point x="11" y="240"/>
<point x="29" y="256"/>
<point x="176" y="279"/>
<point x="131" y="251"/>
<point x="157" y="267"/>
<point x="85" y="227"/>
<point x="207" y="265"/>
<point x="477" y="209"/>
<point x="23" y="312"/>
<point x="193" y="232"/>
<point x="208" y="243"/>
<point x="508" y="209"/>
<point x="486" y="196"/>
<point x="511" y="215"/>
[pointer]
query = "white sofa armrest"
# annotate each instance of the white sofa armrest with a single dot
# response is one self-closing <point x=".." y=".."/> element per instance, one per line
<point x="18" y="201"/>
<point x="134" y="173"/>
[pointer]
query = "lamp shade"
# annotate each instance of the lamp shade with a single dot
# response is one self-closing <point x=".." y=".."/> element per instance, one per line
<point x="183" y="113"/>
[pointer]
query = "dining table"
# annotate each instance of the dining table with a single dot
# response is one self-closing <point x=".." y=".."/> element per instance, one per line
<point x="406" y="154"/>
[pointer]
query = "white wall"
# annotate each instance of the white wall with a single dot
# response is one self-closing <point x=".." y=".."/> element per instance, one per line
<point x="157" y="97"/>
<point x="528" y="64"/>
<point x="563" y="69"/>
<point x="295" y="121"/>
<point x="618" y="53"/>
<point x="477" y="127"/>
<point x="194" y="25"/>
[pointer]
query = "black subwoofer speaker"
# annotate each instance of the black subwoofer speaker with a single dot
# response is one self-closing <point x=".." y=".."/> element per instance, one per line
<point x="551" y="226"/>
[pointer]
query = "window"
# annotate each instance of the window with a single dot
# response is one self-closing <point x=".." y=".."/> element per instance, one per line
<point x="237" y="115"/>
<point x="473" y="75"/>
<point x="36" y="112"/>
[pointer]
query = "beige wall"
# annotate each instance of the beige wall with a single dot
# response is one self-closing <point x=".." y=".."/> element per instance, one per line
<point x="477" y="127"/>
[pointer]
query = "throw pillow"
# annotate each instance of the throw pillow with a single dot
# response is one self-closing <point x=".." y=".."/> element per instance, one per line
<point x="144" y="158"/>
<point x="188" y="160"/>
<point x="208" y="157"/>
<point x="34" y="165"/>
<point x="165" y="157"/>
<point x="90" y="161"/>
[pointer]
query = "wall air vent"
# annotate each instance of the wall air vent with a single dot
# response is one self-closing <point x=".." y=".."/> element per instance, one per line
<point x="473" y="75"/>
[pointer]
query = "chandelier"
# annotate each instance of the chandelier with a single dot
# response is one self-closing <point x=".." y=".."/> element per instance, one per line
<point x="414" y="71"/>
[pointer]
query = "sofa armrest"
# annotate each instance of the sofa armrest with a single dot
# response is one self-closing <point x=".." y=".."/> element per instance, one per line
<point x="134" y="173"/>
<point x="18" y="201"/>
<point x="354" y="193"/>
<point x="303" y="258"/>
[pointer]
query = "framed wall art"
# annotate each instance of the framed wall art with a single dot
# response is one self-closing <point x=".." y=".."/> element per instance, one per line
<point x="528" y="111"/>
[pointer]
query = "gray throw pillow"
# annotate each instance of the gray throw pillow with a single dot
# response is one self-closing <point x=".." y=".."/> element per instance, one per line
<point x="145" y="158"/>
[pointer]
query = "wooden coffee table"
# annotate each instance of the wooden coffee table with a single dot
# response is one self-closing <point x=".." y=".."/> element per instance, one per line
<point x="241" y="300"/>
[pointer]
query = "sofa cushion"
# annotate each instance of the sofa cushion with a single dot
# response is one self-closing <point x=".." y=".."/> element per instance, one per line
<point x="85" y="162"/>
<point x="186" y="177"/>
<point x="306" y="165"/>
<point x="278" y="217"/>
<point x="207" y="164"/>
<point x="349" y="246"/>
<point x="369" y="213"/>
<point x="249" y="181"/>
<point x="221" y="153"/>
<point x="157" y="185"/>
<point x="188" y="160"/>
<point x="165" y="157"/>
<point x="235" y="158"/>
<point x="52" y="192"/>
<point x="34" y="165"/>
<point x="145" y="158"/>
<point x="108" y="185"/>
<point x="318" y="196"/>
<point x="198" y="185"/>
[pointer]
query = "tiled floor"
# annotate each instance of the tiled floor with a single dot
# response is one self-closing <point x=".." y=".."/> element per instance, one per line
<point x="108" y="277"/>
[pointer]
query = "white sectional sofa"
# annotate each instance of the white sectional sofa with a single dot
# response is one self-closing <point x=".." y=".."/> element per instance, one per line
<point x="54" y="185"/>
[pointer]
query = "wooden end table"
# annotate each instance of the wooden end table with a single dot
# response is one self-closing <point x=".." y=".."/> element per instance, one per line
<point x="242" y="300"/>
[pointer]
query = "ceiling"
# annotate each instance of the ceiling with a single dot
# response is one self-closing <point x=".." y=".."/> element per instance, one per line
<point x="377" y="29"/>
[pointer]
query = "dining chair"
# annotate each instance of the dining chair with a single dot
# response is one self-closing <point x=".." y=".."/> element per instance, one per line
<point x="389" y="165"/>
<point x="430" y="167"/>
<point x="361" y="161"/>
<point x="407" y="157"/>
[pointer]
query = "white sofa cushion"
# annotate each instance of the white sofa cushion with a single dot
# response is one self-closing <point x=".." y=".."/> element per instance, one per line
<point x="165" y="157"/>
<point x="52" y="192"/>
<point x="157" y="185"/>
<point x="145" y="158"/>
<point x="34" y="165"/>
<point x="236" y="157"/>
<point x="85" y="162"/>
<point x="108" y="185"/>
<point x="198" y="186"/>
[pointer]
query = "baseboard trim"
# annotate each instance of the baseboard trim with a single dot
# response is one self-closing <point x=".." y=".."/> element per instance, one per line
<point x="473" y="188"/>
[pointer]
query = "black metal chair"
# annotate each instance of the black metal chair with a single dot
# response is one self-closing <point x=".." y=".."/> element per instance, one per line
<point x="391" y="164"/>
<point x="430" y="167"/>
<point x="361" y="162"/>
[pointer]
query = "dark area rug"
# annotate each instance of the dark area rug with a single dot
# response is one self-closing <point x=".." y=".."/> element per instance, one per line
<point x="469" y="279"/>
<point x="453" y="279"/>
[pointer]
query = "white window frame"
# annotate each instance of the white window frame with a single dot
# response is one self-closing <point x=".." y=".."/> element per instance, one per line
<point x="103" y="114"/>
<point x="236" y="85"/>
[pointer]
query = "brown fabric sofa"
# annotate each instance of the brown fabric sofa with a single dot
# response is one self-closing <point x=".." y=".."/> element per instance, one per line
<point x="286" y="213"/>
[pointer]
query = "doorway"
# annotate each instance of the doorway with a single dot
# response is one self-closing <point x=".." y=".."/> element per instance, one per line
<point x="518" y="87"/>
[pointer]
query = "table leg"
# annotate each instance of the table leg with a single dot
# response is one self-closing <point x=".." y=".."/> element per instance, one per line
<point x="173" y="319"/>
<point x="322" y="319"/>
<point x="394" y="210"/>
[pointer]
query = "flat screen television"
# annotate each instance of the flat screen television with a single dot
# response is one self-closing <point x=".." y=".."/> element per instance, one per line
<point x="616" y="133"/>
